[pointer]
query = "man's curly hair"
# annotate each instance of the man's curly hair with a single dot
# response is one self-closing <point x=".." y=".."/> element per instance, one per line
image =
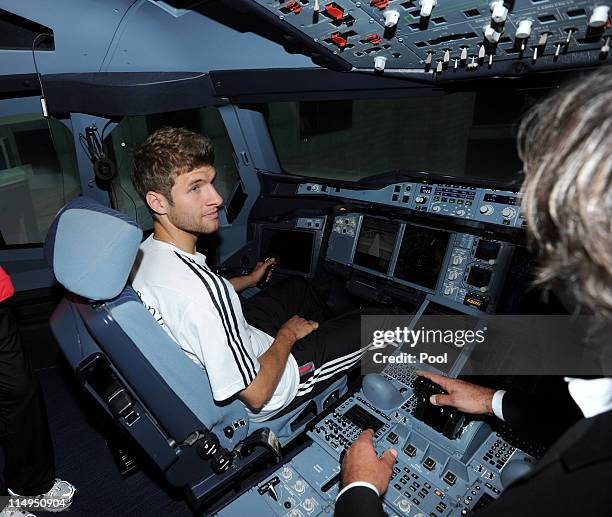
<point x="565" y="143"/>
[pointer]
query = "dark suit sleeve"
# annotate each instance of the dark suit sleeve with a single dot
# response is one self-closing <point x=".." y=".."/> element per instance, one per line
<point x="543" y="415"/>
<point x="359" y="501"/>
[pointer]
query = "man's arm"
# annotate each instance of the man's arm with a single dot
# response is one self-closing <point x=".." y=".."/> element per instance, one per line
<point x="465" y="396"/>
<point x="272" y="362"/>
<point x="240" y="283"/>
<point x="359" y="501"/>
<point x="550" y="405"/>
<point x="365" y="478"/>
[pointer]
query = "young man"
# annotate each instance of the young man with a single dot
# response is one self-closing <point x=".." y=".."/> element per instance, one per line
<point x="276" y="353"/>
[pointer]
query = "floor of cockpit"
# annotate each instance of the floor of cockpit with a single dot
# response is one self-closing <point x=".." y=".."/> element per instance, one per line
<point x="83" y="458"/>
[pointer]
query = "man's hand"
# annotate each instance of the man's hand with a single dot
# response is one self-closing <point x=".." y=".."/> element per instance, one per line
<point x="243" y="282"/>
<point x="465" y="396"/>
<point x="362" y="464"/>
<point x="259" y="270"/>
<point x="297" y="328"/>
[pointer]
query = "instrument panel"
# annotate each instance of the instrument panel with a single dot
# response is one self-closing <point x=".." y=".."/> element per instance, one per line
<point x="486" y="205"/>
<point x="449" y="37"/>
<point x="459" y="269"/>
<point x="433" y="476"/>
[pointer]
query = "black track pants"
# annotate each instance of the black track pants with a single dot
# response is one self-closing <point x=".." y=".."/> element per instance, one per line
<point x="29" y="467"/>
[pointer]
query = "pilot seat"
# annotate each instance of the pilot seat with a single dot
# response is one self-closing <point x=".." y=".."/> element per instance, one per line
<point x="139" y="375"/>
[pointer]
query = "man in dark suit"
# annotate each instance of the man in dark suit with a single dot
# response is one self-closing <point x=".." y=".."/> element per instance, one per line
<point x="565" y="144"/>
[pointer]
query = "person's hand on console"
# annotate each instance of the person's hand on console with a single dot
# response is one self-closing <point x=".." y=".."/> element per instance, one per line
<point x="465" y="396"/>
<point x="362" y="464"/>
<point x="272" y="362"/>
<point x="297" y="328"/>
<point x="259" y="277"/>
<point x="262" y="272"/>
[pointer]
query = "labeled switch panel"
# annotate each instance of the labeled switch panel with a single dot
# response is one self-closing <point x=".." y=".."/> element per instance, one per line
<point x="498" y="207"/>
<point x="446" y="36"/>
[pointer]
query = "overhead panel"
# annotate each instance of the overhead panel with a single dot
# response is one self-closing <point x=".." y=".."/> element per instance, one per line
<point x="443" y="36"/>
<point x="348" y="29"/>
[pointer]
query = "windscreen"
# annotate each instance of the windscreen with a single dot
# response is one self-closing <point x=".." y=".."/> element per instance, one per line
<point x="463" y="134"/>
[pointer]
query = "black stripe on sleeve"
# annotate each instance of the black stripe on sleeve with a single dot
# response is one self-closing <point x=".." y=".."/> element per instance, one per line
<point x="235" y="326"/>
<point x="241" y="367"/>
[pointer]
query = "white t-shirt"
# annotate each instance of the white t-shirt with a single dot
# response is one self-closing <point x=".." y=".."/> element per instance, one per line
<point x="201" y="311"/>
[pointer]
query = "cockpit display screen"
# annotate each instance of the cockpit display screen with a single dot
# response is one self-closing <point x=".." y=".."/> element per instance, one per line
<point x="421" y="255"/>
<point x="435" y="309"/>
<point x="438" y="317"/>
<point x="487" y="250"/>
<point x="362" y="419"/>
<point x="291" y="248"/>
<point x="479" y="277"/>
<point x="376" y="243"/>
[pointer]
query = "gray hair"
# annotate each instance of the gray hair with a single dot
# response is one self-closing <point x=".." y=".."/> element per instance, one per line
<point x="565" y="143"/>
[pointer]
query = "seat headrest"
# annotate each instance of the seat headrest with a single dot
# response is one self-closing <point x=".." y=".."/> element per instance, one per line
<point x="91" y="249"/>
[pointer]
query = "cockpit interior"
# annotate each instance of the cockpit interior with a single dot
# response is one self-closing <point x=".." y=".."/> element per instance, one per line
<point x="369" y="147"/>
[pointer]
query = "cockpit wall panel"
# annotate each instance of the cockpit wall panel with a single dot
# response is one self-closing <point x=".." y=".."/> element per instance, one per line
<point x="137" y="36"/>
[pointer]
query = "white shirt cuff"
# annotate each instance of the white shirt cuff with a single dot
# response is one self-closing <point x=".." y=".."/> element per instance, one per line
<point x="357" y="483"/>
<point x="496" y="404"/>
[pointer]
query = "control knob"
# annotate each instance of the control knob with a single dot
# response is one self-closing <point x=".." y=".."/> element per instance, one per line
<point x="404" y="505"/>
<point x="208" y="445"/>
<point x="448" y="290"/>
<point x="380" y="63"/>
<point x="486" y="209"/>
<point x="436" y="208"/>
<point x="420" y="199"/>
<point x="309" y="505"/>
<point x="490" y="34"/>
<point x="499" y="12"/>
<point x="523" y="30"/>
<point x="508" y="212"/>
<point x="286" y="473"/>
<point x="453" y="275"/>
<point x="460" y="212"/>
<point x="221" y="461"/>
<point x="299" y="486"/>
<point x="391" y="18"/>
<point x="599" y="17"/>
<point x="457" y="259"/>
<point x="426" y="7"/>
